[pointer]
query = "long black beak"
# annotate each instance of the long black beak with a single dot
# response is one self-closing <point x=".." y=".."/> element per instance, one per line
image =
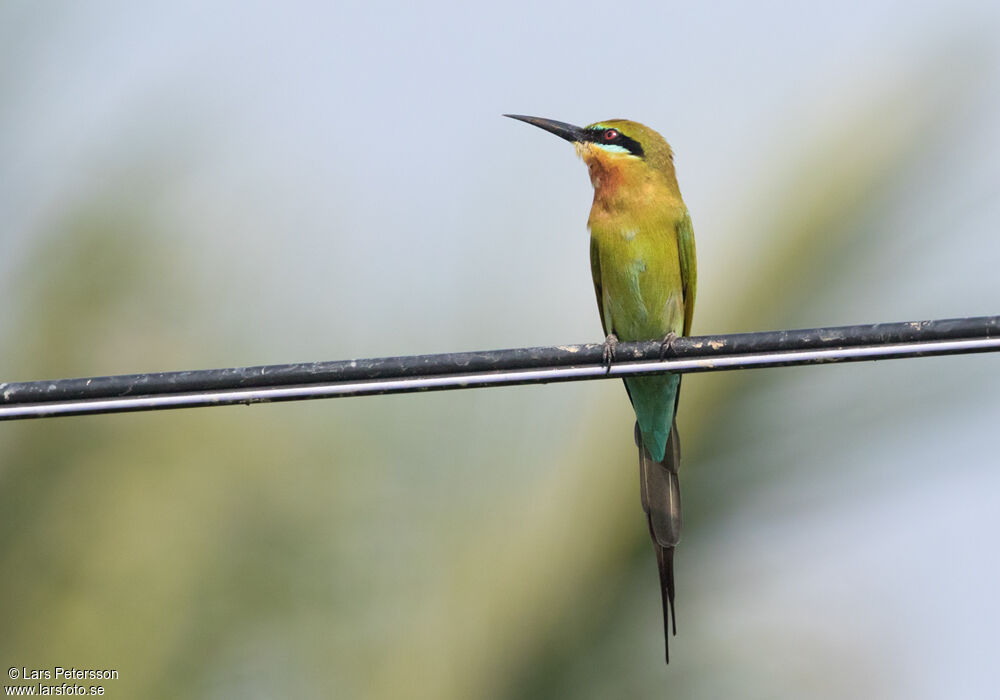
<point x="560" y="129"/>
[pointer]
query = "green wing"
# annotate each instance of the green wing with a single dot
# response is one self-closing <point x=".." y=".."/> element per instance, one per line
<point x="595" y="272"/>
<point x="689" y="268"/>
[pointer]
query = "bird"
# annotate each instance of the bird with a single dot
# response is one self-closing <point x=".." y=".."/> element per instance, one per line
<point x="642" y="259"/>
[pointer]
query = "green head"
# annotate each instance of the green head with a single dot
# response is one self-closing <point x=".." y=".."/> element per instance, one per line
<point x="614" y="149"/>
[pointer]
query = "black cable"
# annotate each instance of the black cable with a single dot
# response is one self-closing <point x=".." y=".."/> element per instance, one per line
<point x="136" y="392"/>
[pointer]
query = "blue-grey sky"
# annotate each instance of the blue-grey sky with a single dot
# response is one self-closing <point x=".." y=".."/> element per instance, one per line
<point x="324" y="135"/>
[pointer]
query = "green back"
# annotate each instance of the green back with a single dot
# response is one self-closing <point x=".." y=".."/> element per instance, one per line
<point x="643" y="264"/>
<point x="645" y="278"/>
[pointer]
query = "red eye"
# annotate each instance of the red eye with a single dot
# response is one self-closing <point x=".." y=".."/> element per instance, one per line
<point x="610" y="135"/>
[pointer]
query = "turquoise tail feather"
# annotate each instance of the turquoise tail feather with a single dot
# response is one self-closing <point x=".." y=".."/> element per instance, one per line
<point x="654" y="399"/>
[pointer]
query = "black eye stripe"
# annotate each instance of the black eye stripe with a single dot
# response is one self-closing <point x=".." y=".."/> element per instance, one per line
<point x="596" y="135"/>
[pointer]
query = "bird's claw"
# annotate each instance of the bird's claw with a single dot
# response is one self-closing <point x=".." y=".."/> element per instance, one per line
<point x="667" y="344"/>
<point x="608" y="356"/>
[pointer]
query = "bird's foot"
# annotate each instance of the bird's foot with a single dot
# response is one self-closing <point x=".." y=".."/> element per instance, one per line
<point x="667" y="344"/>
<point x="610" y="343"/>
